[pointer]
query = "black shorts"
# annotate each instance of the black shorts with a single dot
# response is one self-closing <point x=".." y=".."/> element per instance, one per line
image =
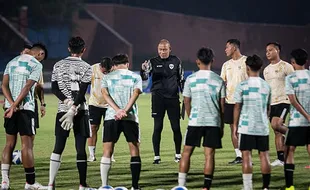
<point x="81" y="125"/>
<point x="298" y="136"/>
<point x="36" y="113"/>
<point x="276" y="110"/>
<point x="21" y="122"/>
<point x="96" y="114"/>
<point x="229" y="113"/>
<point x="211" y="136"/>
<point x="250" y="142"/>
<point x="112" y="130"/>
<point x="161" y="104"/>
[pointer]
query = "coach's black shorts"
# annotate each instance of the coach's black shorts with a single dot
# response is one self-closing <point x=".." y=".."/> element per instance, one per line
<point x="298" y="136"/>
<point x="96" y="114"/>
<point x="250" y="142"/>
<point x="36" y="113"/>
<point x="276" y="110"/>
<point x="229" y="113"/>
<point x="211" y="136"/>
<point x="161" y="104"/>
<point x="21" y="122"/>
<point x="112" y="130"/>
<point x="81" y="125"/>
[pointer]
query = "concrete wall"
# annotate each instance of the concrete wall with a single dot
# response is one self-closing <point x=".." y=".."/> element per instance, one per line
<point x="144" y="28"/>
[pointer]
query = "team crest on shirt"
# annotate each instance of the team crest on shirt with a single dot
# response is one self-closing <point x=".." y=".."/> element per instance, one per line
<point x="171" y="66"/>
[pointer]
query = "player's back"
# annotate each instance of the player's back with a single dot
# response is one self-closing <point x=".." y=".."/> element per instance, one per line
<point x="20" y="69"/>
<point x="205" y="88"/>
<point x="298" y="83"/>
<point x="69" y="73"/>
<point x="96" y="97"/>
<point x="121" y="84"/>
<point x="255" y="96"/>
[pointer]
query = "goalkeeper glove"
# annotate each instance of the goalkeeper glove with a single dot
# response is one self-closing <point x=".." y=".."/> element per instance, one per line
<point x="67" y="119"/>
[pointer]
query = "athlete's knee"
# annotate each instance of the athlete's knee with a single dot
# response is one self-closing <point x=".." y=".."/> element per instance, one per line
<point x="81" y="156"/>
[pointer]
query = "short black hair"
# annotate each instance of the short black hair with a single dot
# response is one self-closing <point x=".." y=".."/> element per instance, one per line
<point x="76" y="44"/>
<point x="275" y="44"/>
<point x="254" y="62"/>
<point x="42" y="47"/>
<point x="236" y="42"/>
<point x="106" y="62"/>
<point x="120" y="59"/>
<point x="27" y="46"/>
<point x="300" y="56"/>
<point x="205" y="55"/>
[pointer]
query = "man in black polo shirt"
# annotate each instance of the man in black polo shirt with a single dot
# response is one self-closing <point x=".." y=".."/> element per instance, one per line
<point x="167" y="80"/>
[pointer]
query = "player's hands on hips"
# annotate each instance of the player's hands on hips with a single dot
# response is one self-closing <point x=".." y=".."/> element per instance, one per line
<point x="120" y="114"/>
<point x="43" y="111"/>
<point x="67" y="119"/>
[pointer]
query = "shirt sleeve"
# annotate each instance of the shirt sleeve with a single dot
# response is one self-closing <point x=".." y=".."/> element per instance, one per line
<point x="86" y="78"/>
<point x="238" y="94"/>
<point x="288" y="69"/>
<point x="104" y="82"/>
<point x="288" y="86"/>
<point x="181" y="76"/>
<point x="138" y="83"/>
<point x="223" y="72"/>
<point x="36" y="73"/>
<point x="7" y="69"/>
<point x="269" y="98"/>
<point x="223" y="90"/>
<point x="187" y="90"/>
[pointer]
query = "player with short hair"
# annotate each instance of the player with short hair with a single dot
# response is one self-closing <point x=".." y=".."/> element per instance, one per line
<point x="252" y="98"/>
<point x="167" y="80"/>
<point x="70" y="79"/>
<point x="275" y="74"/>
<point x="204" y="98"/>
<point x="233" y="72"/>
<point x="97" y="104"/>
<point x="297" y="87"/>
<point x="121" y="88"/>
<point x="19" y="79"/>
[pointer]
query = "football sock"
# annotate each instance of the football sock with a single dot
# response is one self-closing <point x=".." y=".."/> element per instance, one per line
<point x="92" y="150"/>
<point x="5" y="169"/>
<point x="247" y="181"/>
<point x="289" y="172"/>
<point x="280" y="155"/>
<point x="81" y="164"/>
<point x="135" y="167"/>
<point x="238" y="153"/>
<point x="54" y="167"/>
<point x="105" y="165"/>
<point x="30" y="175"/>
<point x="208" y="181"/>
<point x="182" y="179"/>
<point x="266" y="181"/>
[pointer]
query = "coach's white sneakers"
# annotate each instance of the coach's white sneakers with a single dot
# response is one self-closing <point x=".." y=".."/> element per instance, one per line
<point x="277" y="162"/>
<point x="5" y="185"/>
<point x="35" y="186"/>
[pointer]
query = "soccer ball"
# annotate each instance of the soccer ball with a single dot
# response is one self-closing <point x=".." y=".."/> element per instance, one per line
<point x="17" y="157"/>
<point x="179" y="188"/>
<point x="120" y="188"/>
<point x="107" y="187"/>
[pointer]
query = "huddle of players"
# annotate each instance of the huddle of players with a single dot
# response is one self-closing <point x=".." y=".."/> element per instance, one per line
<point x="204" y="99"/>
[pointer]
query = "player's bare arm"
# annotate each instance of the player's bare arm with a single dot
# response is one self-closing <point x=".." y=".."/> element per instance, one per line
<point x="6" y="90"/>
<point x="40" y="92"/>
<point x="237" y="110"/>
<point x="132" y="99"/>
<point x="9" y="112"/>
<point x="187" y="104"/>
<point x="222" y="103"/>
<point x="120" y="113"/>
<point x="298" y="107"/>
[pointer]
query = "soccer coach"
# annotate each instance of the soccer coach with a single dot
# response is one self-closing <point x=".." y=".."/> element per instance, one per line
<point x="167" y="79"/>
